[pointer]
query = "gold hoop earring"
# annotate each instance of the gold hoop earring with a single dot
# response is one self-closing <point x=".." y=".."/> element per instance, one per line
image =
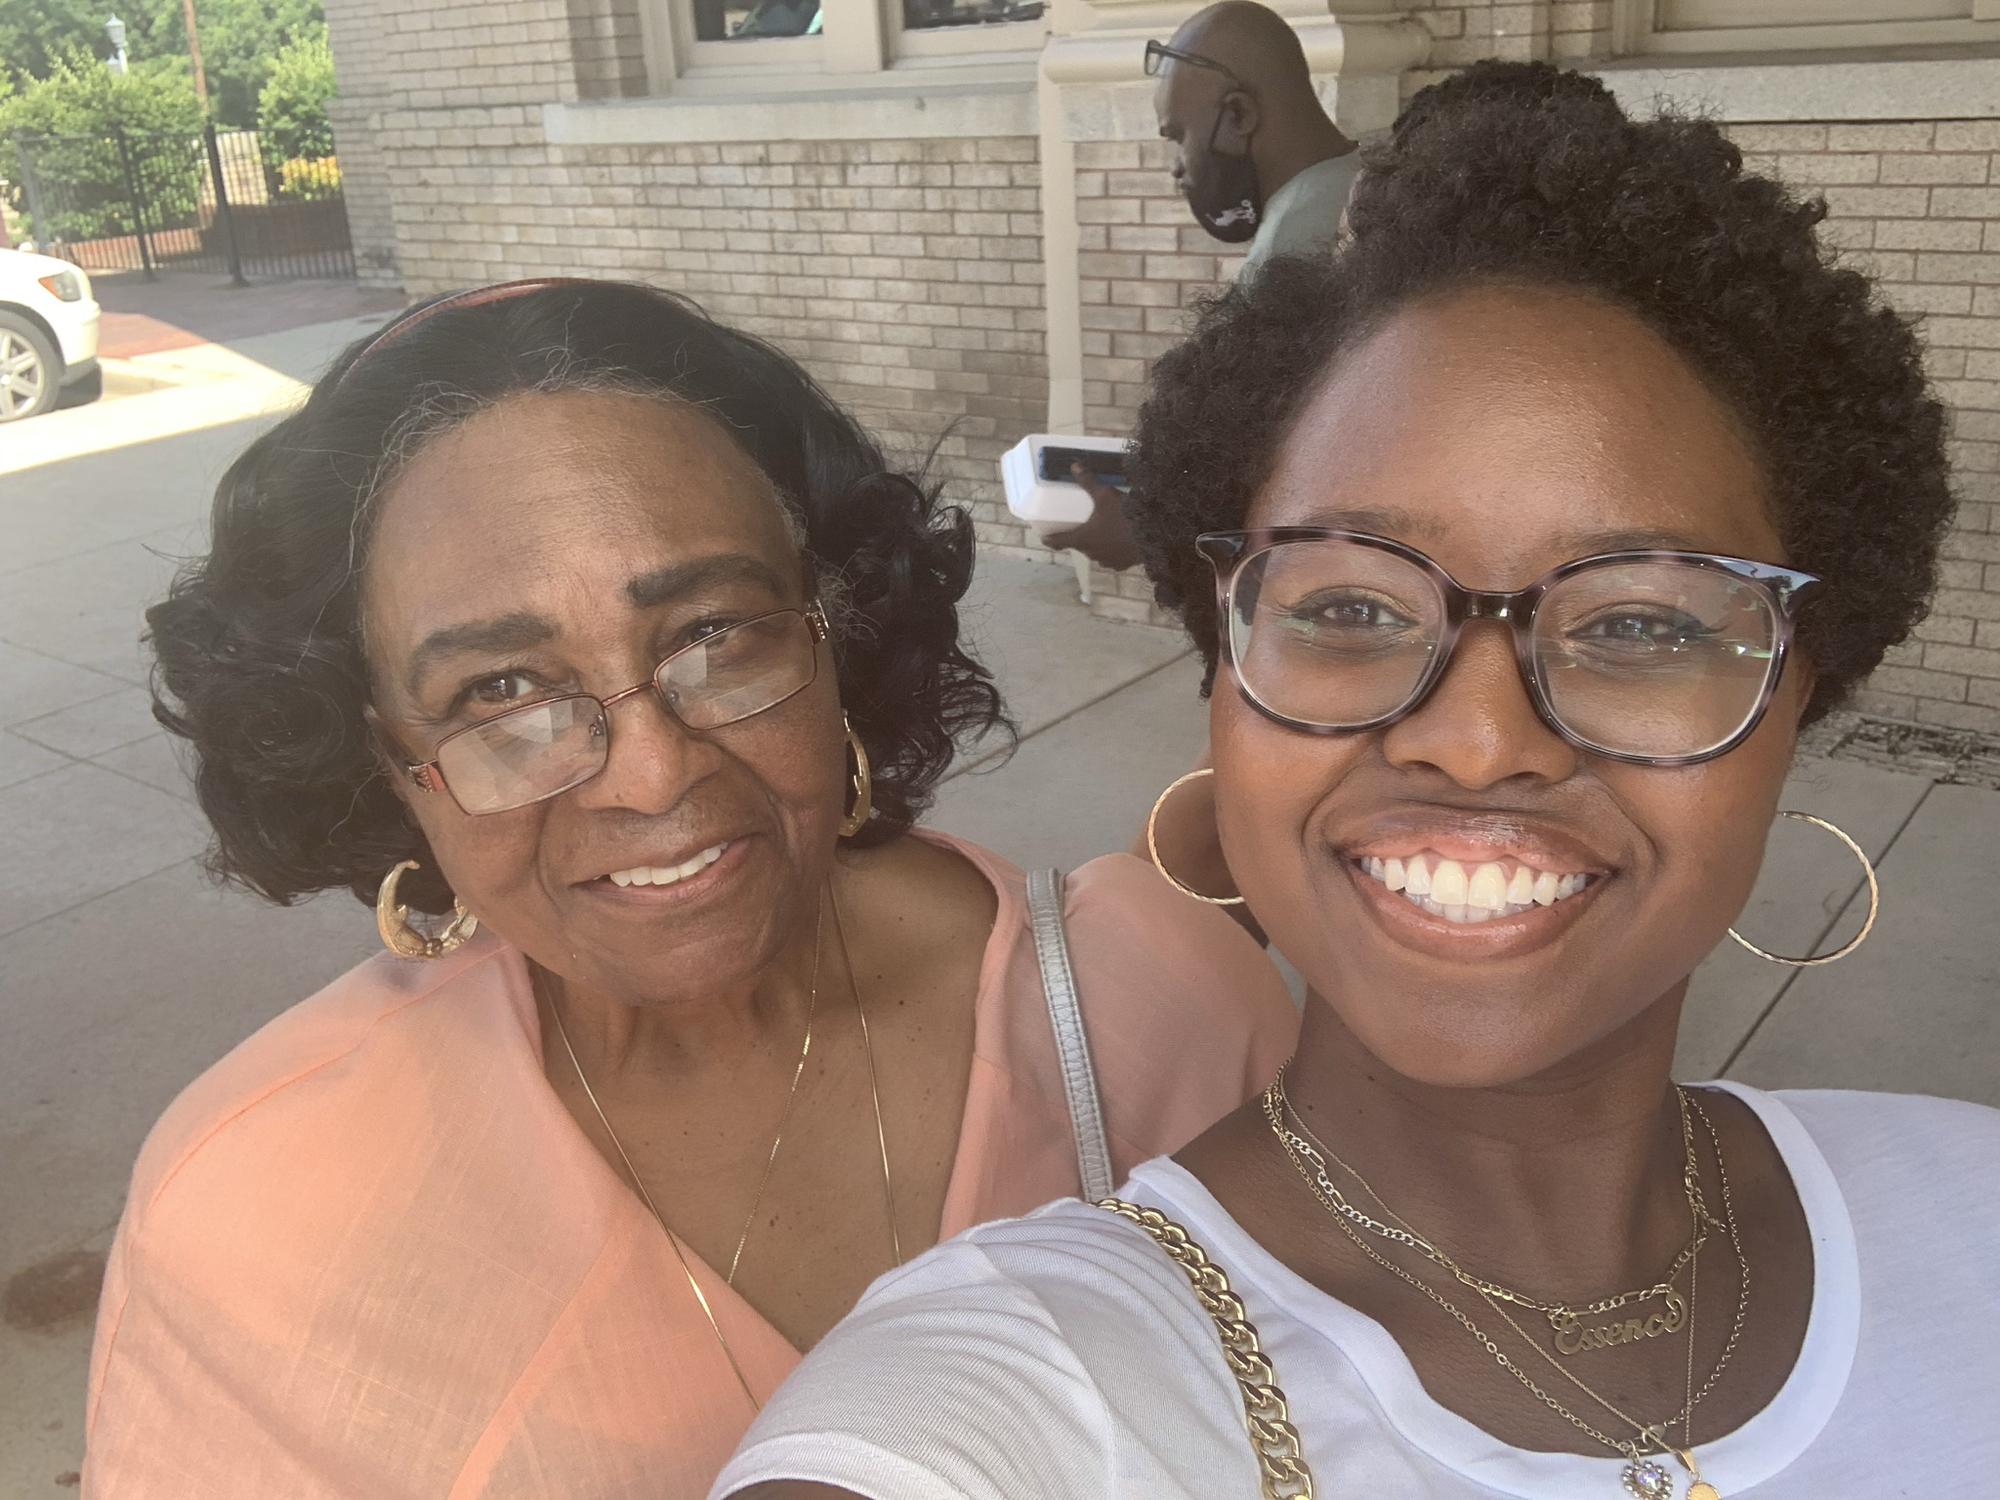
<point x="400" y="936"/>
<point x="1153" y="843"/>
<point x="861" y="784"/>
<point x="1874" y="904"/>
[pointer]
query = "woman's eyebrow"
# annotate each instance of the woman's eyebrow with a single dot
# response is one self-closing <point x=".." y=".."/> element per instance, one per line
<point x="664" y="585"/>
<point x="1412" y="525"/>
<point x="515" y="632"/>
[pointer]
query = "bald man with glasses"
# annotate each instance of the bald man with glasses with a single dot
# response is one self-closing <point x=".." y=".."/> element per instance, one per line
<point x="1256" y="157"/>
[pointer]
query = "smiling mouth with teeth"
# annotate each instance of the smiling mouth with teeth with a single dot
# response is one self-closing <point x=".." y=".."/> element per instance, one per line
<point x="670" y="874"/>
<point x="1468" y="894"/>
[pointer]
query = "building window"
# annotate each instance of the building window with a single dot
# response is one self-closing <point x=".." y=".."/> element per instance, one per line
<point x="943" y="31"/>
<point x="725" y="38"/>
<point x="751" y="20"/>
<point x="1691" y="26"/>
<point x="709" y="42"/>
<point x="931" y="15"/>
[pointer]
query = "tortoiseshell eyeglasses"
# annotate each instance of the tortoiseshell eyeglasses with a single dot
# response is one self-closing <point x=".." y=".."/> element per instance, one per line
<point x="1656" y="657"/>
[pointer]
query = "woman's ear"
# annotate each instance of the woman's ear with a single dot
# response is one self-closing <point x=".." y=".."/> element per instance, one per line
<point x="1804" y="677"/>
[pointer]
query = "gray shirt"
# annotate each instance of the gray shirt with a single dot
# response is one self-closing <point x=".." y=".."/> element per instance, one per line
<point x="1303" y="216"/>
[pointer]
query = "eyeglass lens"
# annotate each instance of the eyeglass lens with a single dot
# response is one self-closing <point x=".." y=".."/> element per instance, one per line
<point x="541" y="749"/>
<point x="1658" y="658"/>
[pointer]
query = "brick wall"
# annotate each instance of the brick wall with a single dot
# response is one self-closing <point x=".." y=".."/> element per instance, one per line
<point x="1144" y="262"/>
<point x="1918" y="204"/>
<point x="906" y="275"/>
<point x="360" y="34"/>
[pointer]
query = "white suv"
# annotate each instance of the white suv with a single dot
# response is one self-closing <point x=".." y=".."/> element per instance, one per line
<point x="48" y="332"/>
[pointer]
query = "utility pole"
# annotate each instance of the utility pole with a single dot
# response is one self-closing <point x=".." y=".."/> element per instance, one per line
<point x="194" y="51"/>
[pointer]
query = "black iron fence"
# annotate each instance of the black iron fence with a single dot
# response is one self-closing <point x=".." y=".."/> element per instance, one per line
<point x="219" y="201"/>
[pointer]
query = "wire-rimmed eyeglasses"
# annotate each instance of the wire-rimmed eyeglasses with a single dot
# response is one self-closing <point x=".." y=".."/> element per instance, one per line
<point x="530" y="752"/>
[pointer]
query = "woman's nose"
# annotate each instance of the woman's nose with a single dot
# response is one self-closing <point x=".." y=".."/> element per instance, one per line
<point x="1479" y="726"/>
<point x="651" y="761"/>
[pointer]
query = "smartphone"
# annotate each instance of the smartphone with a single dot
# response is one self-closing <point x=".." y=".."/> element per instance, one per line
<point x="1104" y="467"/>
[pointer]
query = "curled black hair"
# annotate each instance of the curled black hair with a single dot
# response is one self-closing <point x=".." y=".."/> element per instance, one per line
<point x="259" y="654"/>
<point x="1521" y="173"/>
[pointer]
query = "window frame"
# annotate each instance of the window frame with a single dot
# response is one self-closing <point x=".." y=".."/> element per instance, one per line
<point x="693" y="57"/>
<point x="1638" y="30"/>
<point x="858" y="38"/>
<point x="947" y="44"/>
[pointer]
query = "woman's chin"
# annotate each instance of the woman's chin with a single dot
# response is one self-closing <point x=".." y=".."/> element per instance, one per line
<point x="1458" y="1054"/>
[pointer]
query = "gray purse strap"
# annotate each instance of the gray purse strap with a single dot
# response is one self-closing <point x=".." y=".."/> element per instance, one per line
<point x="1086" y="1115"/>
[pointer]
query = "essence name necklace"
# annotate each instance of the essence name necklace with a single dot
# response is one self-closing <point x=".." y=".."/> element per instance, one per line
<point x="1643" y="1477"/>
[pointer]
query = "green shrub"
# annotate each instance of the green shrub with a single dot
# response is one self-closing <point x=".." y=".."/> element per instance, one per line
<point x="68" y="120"/>
<point x="291" y="111"/>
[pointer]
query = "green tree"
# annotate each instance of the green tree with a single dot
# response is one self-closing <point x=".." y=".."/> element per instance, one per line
<point x="34" y="34"/>
<point x="68" y="119"/>
<point x="291" y="110"/>
<point x="80" y="96"/>
<point x="239" y="40"/>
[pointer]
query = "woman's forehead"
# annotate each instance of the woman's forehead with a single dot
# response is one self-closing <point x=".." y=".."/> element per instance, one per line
<point x="1505" y="422"/>
<point x="562" y="494"/>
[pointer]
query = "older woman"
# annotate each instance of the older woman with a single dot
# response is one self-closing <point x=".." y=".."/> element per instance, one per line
<point x="563" y="609"/>
<point x="1540" y="520"/>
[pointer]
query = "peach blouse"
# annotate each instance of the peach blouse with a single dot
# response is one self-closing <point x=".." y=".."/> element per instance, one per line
<point x="369" y="1253"/>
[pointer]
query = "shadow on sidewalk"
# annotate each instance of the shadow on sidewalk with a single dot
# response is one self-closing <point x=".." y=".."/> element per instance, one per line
<point x="183" y="309"/>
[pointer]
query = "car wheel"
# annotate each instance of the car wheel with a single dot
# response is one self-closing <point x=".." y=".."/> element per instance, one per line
<point x="29" y="369"/>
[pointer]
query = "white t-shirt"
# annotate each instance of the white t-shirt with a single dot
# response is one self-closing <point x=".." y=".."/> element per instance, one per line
<point x="1064" y="1357"/>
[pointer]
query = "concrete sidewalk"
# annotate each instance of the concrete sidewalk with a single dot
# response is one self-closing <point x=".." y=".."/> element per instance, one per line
<point x="124" y="973"/>
<point x="168" y="392"/>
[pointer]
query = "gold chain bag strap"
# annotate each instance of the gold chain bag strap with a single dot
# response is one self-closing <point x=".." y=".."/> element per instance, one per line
<point x="1265" y="1412"/>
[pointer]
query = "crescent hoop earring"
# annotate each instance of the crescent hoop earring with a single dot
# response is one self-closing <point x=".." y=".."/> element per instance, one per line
<point x="1874" y="904"/>
<point x="1153" y="843"/>
<point x="401" y="937"/>
<point x="861" y="785"/>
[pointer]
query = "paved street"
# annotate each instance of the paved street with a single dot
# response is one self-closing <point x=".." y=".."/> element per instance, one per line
<point x="123" y="972"/>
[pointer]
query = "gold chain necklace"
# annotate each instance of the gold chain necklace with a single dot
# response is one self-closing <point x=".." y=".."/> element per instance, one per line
<point x="632" y="1172"/>
<point x="1645" y="1479"/>
<point x="1642" y="1478"/>
<point x="1565" y="1318"/>
<point x="791" y="1098"/>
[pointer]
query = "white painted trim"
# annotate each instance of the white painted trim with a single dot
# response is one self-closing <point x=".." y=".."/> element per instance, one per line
<point x="1815" y="88"/>
<point x="1678" y="27"/>
<point x="856" y="36"/>
<point x="657" y="36"/>
<point x="891" y="107"/>
<point x="753" y="55"/>
<point x="1062" y="278"/>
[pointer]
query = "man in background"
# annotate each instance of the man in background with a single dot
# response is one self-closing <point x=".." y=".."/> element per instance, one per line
<point x="1256" y="157"/>
<point x="1255" y="153"/>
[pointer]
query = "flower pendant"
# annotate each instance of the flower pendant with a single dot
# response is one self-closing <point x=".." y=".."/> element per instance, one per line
<point x="1646" y="1480"/>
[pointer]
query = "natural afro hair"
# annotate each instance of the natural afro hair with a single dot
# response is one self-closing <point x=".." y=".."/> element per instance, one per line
<point x="1520" y="173"/>
<point x="260" y="656"/>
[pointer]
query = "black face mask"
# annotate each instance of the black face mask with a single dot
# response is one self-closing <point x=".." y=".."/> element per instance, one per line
<point x="1227" y="202"/>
